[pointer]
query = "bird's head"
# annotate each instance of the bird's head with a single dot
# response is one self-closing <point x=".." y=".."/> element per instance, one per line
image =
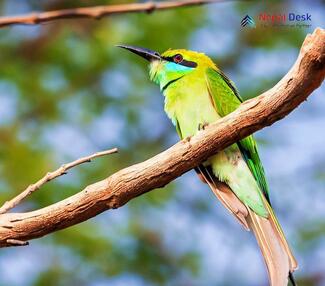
<point x="171" y="65"/>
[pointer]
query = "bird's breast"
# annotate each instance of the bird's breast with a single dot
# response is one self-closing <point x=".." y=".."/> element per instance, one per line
<point x="188" y="103"/>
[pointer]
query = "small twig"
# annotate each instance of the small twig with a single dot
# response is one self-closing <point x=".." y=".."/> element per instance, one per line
<point x="97" y="12"/>
<point x="49" y="177"/>
<point x="16" y="242"/>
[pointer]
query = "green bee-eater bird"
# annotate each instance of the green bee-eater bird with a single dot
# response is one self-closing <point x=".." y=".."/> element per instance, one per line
<point x="197" y="93"/>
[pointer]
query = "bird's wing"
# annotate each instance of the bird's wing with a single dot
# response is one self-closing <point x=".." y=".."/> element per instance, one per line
<point x="221" y="190"/>
<point x="226" y="99"/>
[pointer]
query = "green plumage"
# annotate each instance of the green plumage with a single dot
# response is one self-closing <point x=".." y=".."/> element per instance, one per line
<point x="229" y="100"/>
<point x="198" y="93"/>
<point x="195" y="97"/>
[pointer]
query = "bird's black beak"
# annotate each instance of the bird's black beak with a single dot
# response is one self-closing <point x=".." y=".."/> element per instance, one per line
<point x="142" y="52"/>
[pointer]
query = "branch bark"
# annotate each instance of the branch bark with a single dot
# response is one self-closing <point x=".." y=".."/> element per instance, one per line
<point x="97" y="12"/>
<point x="51" y="176"/>
<point x="305" y="76"/>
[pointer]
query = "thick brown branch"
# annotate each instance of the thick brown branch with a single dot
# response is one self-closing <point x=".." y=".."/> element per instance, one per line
<point x="98" y="11"/>
<point x="305" y="76"/>
<point x="49" y="177"/>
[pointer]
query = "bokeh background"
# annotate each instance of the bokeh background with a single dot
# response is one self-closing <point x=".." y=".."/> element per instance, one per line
<point x="66" y="91"/>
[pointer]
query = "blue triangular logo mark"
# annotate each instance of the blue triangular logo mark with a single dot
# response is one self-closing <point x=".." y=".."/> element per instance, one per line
<point x="248" y="21"/>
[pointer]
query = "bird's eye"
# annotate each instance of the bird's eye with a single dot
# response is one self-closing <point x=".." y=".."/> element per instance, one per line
<point x="178" y="58"/>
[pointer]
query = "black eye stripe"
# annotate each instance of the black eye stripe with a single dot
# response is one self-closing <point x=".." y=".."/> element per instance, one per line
<point x="183" y="62"/>
<point x="188" y="64"/>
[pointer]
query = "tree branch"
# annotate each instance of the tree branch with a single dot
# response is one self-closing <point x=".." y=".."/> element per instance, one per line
<point x="305" y="76"/>
<point x="97" y="12"/>
<point x="51" y="176"/>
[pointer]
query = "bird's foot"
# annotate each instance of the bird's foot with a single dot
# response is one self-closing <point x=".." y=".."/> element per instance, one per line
<point x="202" y="126"/>
<point x="187" y="139"/>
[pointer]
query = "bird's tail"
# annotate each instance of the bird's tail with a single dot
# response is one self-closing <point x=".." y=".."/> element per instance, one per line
<point x="277" y="254"/>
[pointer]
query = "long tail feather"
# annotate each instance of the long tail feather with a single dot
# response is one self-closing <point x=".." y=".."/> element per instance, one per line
<point x="293" y="264"/>
<point x="292" y="279"/>
<point x="274" y="254"/>
<point x="277" y="255"/>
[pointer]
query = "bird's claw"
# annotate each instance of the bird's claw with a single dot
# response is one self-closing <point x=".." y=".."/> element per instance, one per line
<point x="202" y="126"/>
<point x="187" y="139"/>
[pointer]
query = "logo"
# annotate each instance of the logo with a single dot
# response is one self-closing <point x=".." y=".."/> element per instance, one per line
<point x="265" y="20"/>
<point x="285" y="20"/>
<point x="248" y="21"/>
